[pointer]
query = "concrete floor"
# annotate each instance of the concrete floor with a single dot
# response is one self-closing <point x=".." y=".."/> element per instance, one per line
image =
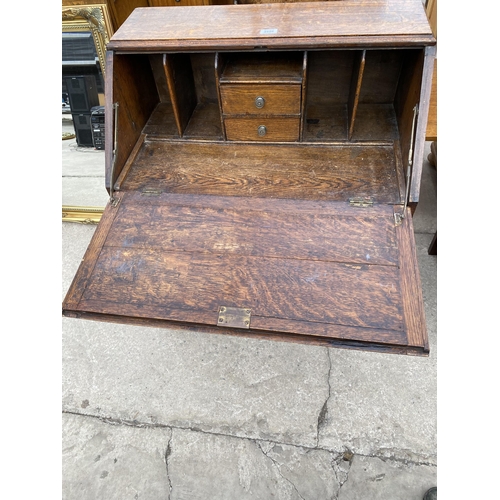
<point x="83" y="172"/>
<point x="160" y="414"/>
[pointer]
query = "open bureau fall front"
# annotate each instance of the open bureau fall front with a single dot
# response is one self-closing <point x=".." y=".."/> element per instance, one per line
<point x="263" y="162"/>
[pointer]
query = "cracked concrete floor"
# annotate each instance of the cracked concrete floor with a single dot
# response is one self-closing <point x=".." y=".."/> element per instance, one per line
<point x="160" y="414"/>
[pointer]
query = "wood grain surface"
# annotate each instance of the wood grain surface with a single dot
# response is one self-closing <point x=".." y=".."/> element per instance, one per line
<point x="192" y="287"/>
<point x="130" y="83"/>
<point x="301" y="270"/>
<point x="411" y="286"/>
<point x="180" y="80"/>
<point x="209" y="213"/>
<point x="250" y="229"/>
<point x="303" y="94"/>
<point x="311" y="270"/>
<point x="300" y="171"/>
<point x="205" y="123"/>
<point x="381" y="75"/>
<point x="275" y="25"/>
<point x="346" y="338"/>
<point x="356" y="81"/>
<point x="84" y="274"/>
<point x="375" y="122"/>
<point x="162" y="122"/>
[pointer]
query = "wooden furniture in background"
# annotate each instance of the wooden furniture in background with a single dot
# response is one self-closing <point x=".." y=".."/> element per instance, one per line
<point x="263" y="173"/>
<point x="431" y="134"/>
<point x="431" y="9"/>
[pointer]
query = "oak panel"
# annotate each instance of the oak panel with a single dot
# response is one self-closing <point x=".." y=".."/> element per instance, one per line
<point x="300" y="266"/>
<point x="242" y="25"/>
<point x="300" y="171"/>
<point x="192" y="286"/>
<point x="215" y="225"/>
<point x="411" y="287"/>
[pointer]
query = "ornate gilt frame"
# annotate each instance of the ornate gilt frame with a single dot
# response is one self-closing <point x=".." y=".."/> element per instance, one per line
<point x="83" y="215"/>
<point x="93" y="18"/>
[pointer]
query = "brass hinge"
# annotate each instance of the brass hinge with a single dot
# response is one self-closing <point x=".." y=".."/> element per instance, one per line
<point x="361" y="202"/>
<point x="114" y="201"/>
<point x="151" y="192"/>
<point x="234" y="317"/>
<point x="398" y="217"/>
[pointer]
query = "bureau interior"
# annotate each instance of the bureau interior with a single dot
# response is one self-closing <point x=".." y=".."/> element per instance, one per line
<point x="352" y="104"/>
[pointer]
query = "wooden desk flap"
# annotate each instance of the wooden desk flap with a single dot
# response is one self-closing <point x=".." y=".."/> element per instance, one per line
<point x="316" y="271"/>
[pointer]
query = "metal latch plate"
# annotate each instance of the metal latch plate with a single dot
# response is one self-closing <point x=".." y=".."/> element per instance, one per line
<point x="234" y="317"/>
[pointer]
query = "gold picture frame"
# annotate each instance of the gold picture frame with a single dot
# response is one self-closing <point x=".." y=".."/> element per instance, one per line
<point x="83" y="215"/>
<point x="96" y="19"/>
<point x="93" y="18"/>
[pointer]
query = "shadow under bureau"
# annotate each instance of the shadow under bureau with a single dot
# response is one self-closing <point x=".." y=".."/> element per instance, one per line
<point x="263" y="162"/>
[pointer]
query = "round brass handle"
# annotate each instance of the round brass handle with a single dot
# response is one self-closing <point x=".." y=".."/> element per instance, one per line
<point x="259" y="102"/>
<point x="261" y="130"/>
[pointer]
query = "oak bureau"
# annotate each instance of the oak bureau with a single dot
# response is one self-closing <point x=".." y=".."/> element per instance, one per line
<point x="263" y="162"/>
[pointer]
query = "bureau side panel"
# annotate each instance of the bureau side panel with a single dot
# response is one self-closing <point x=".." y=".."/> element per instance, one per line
<point x="131" y="86"/>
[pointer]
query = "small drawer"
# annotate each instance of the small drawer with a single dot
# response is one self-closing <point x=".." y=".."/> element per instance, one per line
<point x="274" y="129"/>
<point x="256" y="99"/>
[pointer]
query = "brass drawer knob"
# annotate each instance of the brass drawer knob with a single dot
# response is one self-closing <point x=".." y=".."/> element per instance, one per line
<point x="259" y="102"/>
<point x="261" y="130"/>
